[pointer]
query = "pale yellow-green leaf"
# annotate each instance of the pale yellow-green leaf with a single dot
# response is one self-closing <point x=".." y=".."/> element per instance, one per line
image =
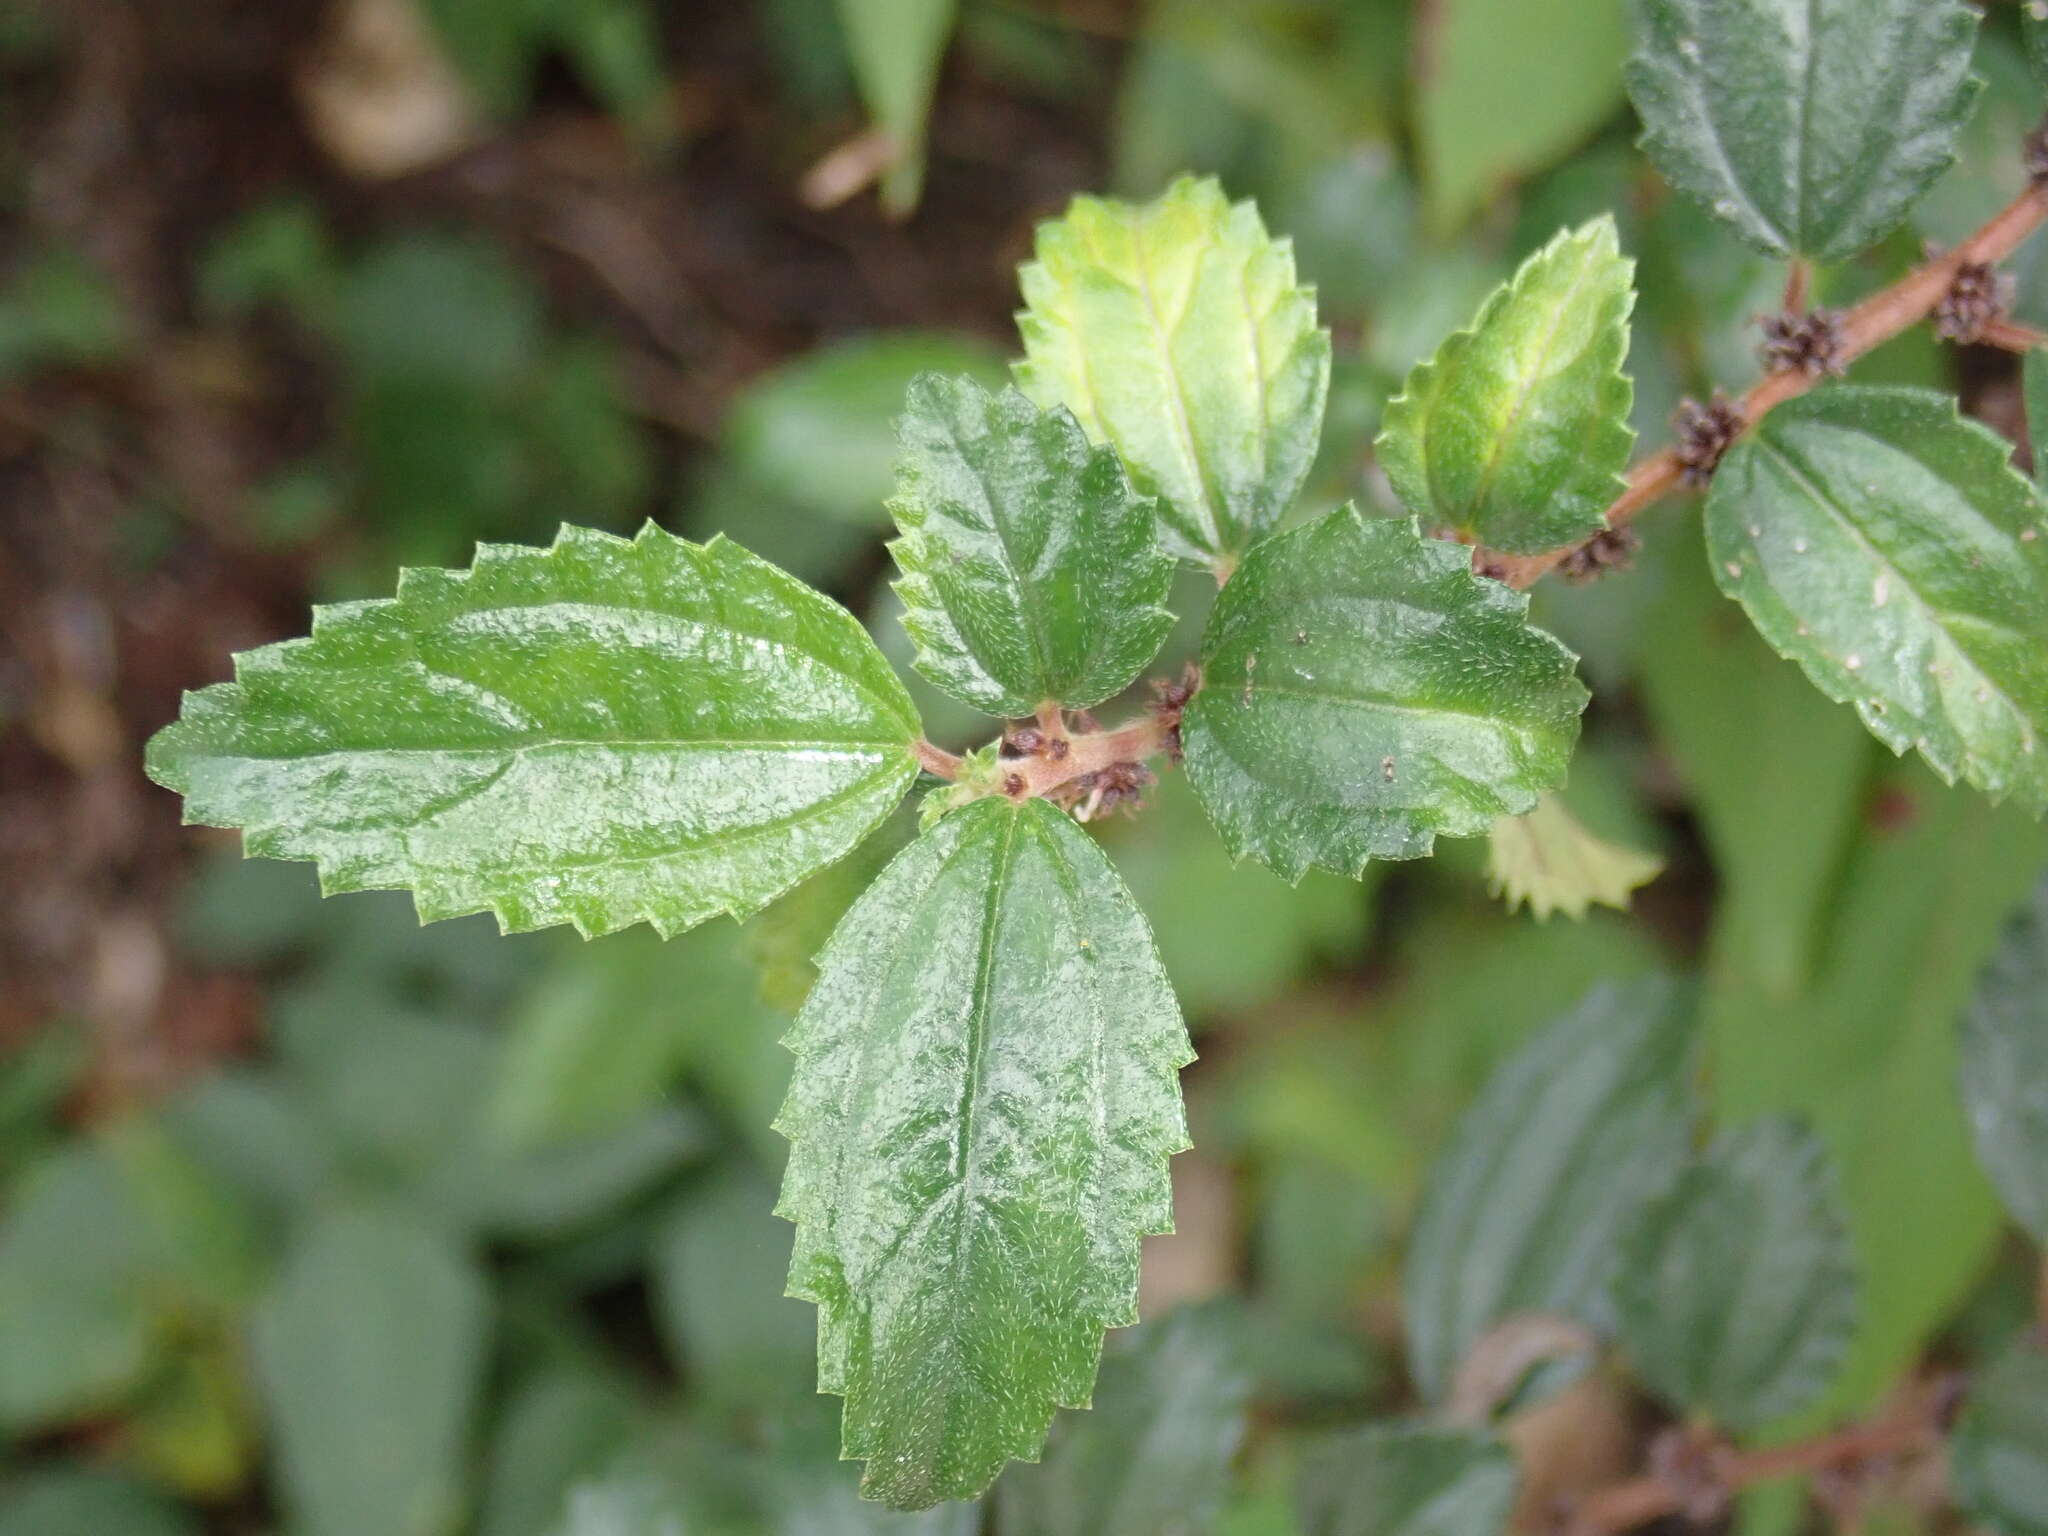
<point x="1549" y="861"/>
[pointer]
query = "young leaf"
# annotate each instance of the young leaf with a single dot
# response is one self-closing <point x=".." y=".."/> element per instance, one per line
<point x="1569" y="1139"/>
<point x="1407" y="1480"/>
<point x="897" y="47"/>
<point x="1153" y="1457"/>
<point x="2005" y="1066"/>
<point x="599" y="733"/>
<point x="370" y="1353"/>
<point x="1810" y="127"/>
<point x="1547" y="859"/>
<point x="1736" y="1292"/>
<point x="1998" y="1456"/>
<point x="1364" y="691"/>
<point x="1516" y="433"/>
<point x="1177" y="332"/>
<point x="1031" y="573"/>
<point x="984" y="1102"/>
<point x="1889" y="547"/>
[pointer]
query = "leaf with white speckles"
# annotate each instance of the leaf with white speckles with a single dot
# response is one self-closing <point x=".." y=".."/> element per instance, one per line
<point x="1364" y="692"/>
<point x="984" y="1102"/>
<point x="600" y="733"/>
<point x="1890" y="548"/>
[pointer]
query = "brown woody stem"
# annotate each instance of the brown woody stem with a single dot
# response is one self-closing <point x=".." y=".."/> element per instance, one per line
<point x="1876" y="320"/>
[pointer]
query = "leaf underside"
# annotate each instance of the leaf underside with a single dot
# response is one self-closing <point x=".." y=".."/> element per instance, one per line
<point x="598" y="733"/>
<point x="1566" y="1143"/>
<point x="1516" y="433"/>
<point x="984" y="1103"/>
<point x="2005" y="1066"/>
<point x="1736" y="1292"/>
<point x="1889" y="547"/>
<point x="1363" y="692"/>
<point x="1031" y="571"/>
<point x="1178" y="333"/>
<point x="1809" y="127"/>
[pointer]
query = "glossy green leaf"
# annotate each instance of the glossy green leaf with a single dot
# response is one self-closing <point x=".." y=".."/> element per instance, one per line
<point x="1516" y="432"/>
<point x="1363" y="692"/>
<point x="1152" y="1458"/>
<point x="1396" y="1479"/>
<point x="370" y="1353"/>
<point x="1736" y="1292"/>
<point x="1503" y="90"/>
<point x="1569" y="1139"/>
<point x="1176" y="332"/>
<point x="1808" y="126"/>
<point x="984" y="1102"/>
<point x="1889" y="547"/>
<point x="1031" y="571"/>
<point x="1998" y="1455"/>
<point x="2005" y="1066"/>
<point x="600" y="733"/>
<point x="1548" y="860"/>
<point x="897" y="46"/>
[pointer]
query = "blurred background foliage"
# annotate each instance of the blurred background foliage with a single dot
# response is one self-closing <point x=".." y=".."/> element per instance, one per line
<point x="316" y="1221"/>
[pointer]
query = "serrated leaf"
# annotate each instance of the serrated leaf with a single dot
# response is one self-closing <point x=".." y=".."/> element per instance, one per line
<point x="1407" y="1480"/>
<point x="1176" y="332"/>
<point x="599" y="733"/>
<point x="1364" y="692"/>
<point x="2005" y="1066"/>
<point x="984" y="1102"/>
<point x="1998" y="1455"/>
<point x="1889" y="547"/>
<point x="1031" y="571"/>
<point x="1736" y="1292"/>
<point x="370" y="1353"/>
<point x="1152" y="1458"/>
<point x="1809" y="127"/>
<point x="896" y="48"/>
<point x="1516" y="432"/>
<point x="1547" y="859"/>
<point x="1569" y="1139"/>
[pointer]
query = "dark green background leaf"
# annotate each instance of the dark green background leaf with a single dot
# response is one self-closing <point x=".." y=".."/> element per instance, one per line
<point x="1407" y="1480"/>
<point x="2005" y="1066"/>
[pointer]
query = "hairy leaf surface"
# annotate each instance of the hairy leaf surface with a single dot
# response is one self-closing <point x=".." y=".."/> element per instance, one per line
<point x="1364" y="691"/>
<point x="1998" y="1456"/>
<point x="1570" y="1139"/>
<point x="1407" y="1480"/>
<point x="2005" y="1066"/>
<point x="1177" y="332"/>
<point x="984" y="1102"/>
<point x="1889" y="547"/>
<point x="1809" y="127"/>
<point x="1031" y="572"/>
<point x="599" y="733"/>
<point x="1516" y="432"/>
<point x="1736" y="1292"/>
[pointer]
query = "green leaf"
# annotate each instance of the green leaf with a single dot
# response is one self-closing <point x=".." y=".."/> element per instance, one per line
<point x="984" y="1102"/>
<point x="564" y="1425"/>
<point x="1567" y="1142"/>
<point x="1998" y="1456"/>
<point x="1177" y="333"/>
<point x="622" y="1506"/>
<point x="2034" y="32"/>
<point x="1031" y="572"/>
<point x="1736" y="1292"/>
<point x="65" y="1501"/>
<point x="1516" y="433"/>
<point x="2034" y="373"/>
<point x="1363" y="692"/>
<point x="1547" y="859"/>
<point x="1889" y="547"/>
<point x="1153" y="1456"/>
<point x="2005" y="1066"/>
<point x="897" y="46"/>
<point x="1407" y="1480"/>
<point x="599" y="733"/>
<point x="1810" y="127"/>
<point x="370" y="1352"/>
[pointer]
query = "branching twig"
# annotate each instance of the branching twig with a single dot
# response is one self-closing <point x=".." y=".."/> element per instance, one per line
<point x="1876" y="320"/>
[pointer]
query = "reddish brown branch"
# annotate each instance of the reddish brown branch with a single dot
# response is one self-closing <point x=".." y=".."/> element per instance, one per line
<point x="1870" y="324"/>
